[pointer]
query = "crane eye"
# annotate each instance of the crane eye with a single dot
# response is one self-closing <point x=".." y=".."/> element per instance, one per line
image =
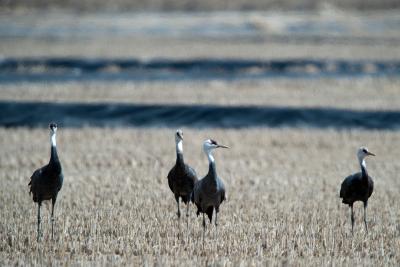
<point x="364" y="150"/>
<point x="213" y="142"/>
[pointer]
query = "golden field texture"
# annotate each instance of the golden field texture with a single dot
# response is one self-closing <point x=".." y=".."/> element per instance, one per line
<point x="282" y="199"/>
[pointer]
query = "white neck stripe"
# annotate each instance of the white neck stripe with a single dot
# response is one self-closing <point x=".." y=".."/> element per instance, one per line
<point x="363" y="164"/>
<point x="210" y="156"/>
<point x="179" y="146"/>
<point x="53" y="140"/>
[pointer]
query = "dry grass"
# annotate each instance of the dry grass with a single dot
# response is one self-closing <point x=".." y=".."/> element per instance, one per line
<point x="360" y="94"/>
<point x="149" y="48"/>
<point x="115" y="206"/>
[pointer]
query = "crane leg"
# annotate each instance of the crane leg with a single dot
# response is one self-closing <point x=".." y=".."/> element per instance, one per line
<point x="365" y="216"/>
<point x="187" y="222"/>
<point x="179" y="210"/>
<point x="352" y="219"/>
<point x="187" y="215"/>
<point x="53" y="203"/>
<point x="204" y="227"/>
<point x="216" y="223"/>
<point x="38" y="221"/>
<point x="216" y="217"/>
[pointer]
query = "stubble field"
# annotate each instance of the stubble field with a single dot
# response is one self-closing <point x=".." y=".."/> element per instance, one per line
<point x="116" y="208"/>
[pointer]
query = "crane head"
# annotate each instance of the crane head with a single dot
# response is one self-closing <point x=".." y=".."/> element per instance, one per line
<point x="364" y="152"/>
<point x="53" y="127"/>
<point x="178" y="135"/>
<point x="211" y="144"/>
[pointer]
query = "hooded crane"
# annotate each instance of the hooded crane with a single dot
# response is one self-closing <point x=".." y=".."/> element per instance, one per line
<point x="209" y="192"/>
<point x="47" y="181"/>
<point x="358" y="187"/>
<point x="181" y="178"/>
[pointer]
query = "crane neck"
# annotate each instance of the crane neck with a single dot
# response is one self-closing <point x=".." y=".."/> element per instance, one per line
<point x="53" y="139"/>
<point x="179" y="152"/>
<point x="210" y="157"/>
<point x="363" y="166"/>
<point x="212" y="170"/>
<point x="54" y="160"/>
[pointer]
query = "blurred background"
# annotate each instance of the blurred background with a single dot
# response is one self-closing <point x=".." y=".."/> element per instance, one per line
<point x="225" y="53"/>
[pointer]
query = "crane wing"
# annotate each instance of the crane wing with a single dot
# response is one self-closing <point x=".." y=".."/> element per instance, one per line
<point x="34" y="179"/>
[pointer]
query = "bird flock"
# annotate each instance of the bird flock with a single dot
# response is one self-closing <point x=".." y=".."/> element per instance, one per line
<point x="207" y="193"/>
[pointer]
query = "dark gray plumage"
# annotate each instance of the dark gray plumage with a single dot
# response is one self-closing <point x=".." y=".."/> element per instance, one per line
<point x="47" y="181"/>
<point x="209" y="192"/>
<point x="358" y="187"/>
<point x="181" y="178"/>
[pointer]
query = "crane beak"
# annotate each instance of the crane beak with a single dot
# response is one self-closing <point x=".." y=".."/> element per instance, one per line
<point x="370" y="154"/>
<point x="222" y="146"/>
